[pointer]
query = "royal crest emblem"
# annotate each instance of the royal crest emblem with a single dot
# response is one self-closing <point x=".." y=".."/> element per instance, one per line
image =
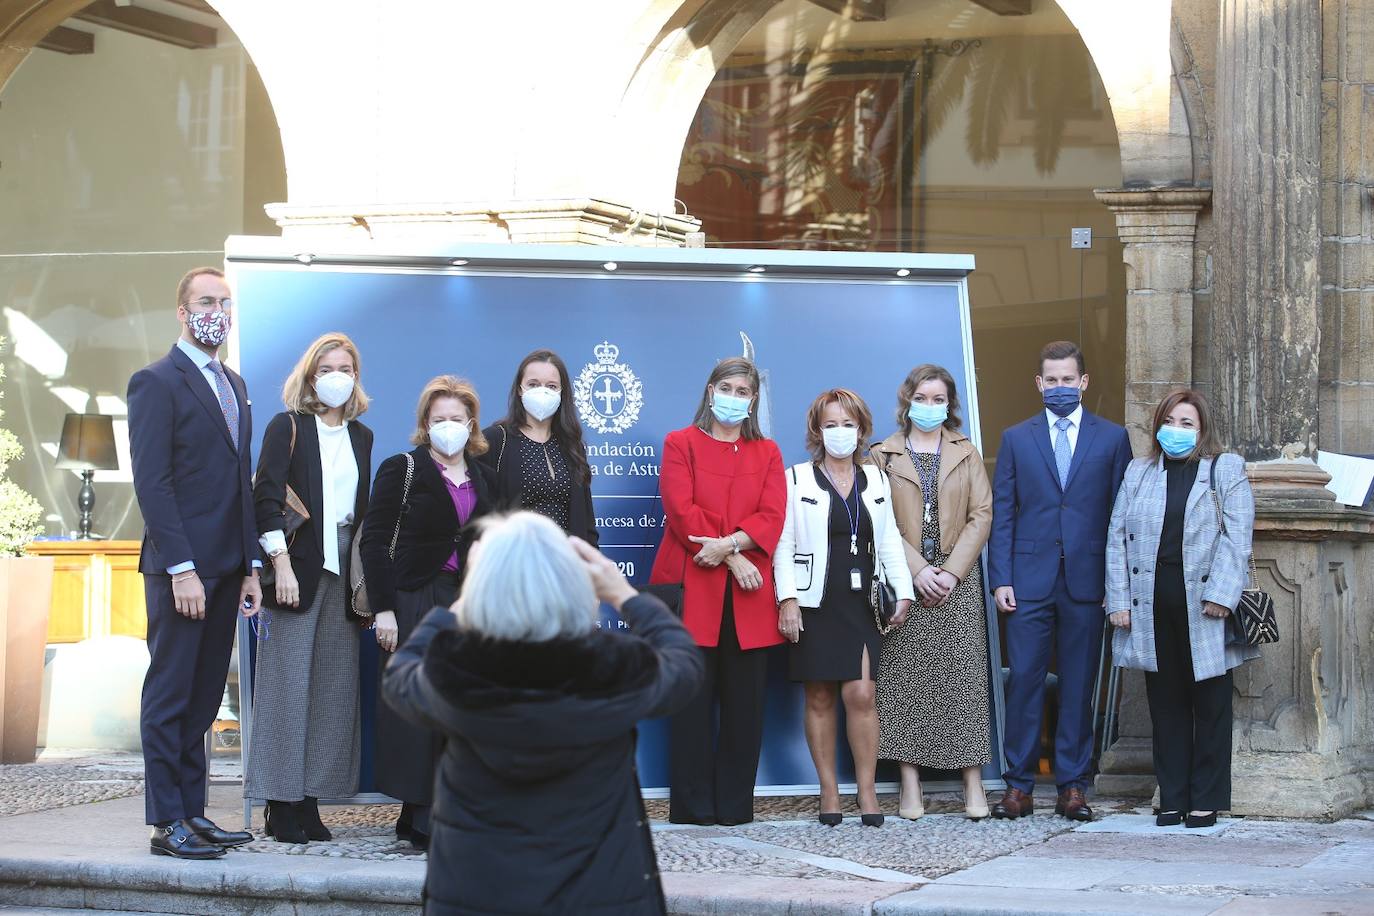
<point x="607" y="394"/>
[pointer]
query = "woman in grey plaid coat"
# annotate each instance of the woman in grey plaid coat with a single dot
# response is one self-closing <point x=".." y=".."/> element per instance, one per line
<point x="1178" y="557"/>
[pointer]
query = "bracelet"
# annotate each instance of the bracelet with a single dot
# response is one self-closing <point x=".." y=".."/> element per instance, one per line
<point x="183" y="576"/>
<point x="735" y="543"/>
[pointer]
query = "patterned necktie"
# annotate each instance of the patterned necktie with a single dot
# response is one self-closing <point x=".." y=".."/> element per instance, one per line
<point x="1062" y="454"/>
<point x="228" y="404"/>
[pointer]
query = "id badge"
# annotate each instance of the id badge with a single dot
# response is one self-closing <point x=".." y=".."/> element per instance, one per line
<point x="856" y="581"/>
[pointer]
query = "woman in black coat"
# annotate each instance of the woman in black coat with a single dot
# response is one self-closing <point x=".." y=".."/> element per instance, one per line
<point x="414" y="546"/>
<point x="538" y="807"/>
<point x="537" y="450"/>
<point x="316" y="456"/>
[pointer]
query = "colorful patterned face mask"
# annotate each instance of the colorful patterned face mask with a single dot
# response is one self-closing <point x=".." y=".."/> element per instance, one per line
<point x="210" y="328"/>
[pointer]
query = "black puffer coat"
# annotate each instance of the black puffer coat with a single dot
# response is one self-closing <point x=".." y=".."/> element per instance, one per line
<point x="537" y="806"/>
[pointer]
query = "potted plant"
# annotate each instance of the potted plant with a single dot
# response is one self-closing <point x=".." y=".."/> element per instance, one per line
<point x="25" y="591"/>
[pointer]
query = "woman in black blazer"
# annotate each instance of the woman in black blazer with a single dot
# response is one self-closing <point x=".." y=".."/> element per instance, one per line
<point x="315" y="456"/>
<point x="414" y="546"/>
<point x="537" y="451"/>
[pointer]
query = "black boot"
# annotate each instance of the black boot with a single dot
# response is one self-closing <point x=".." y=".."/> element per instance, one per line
<point x="281" y="823"/>
<point x="308" y="814"/>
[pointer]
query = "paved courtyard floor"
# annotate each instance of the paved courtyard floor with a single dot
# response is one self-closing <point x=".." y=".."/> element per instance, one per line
<point x="71" y="835"/>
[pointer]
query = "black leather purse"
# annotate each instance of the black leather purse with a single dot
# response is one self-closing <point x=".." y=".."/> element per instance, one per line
<point x="1253" y="620"/>
<point x="883" y="599"/>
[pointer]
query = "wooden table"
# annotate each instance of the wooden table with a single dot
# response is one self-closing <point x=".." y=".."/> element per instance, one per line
<point x="96" y="590"/>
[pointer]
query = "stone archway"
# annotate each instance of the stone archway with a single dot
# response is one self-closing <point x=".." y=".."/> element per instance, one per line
<point x="24" y="23"/>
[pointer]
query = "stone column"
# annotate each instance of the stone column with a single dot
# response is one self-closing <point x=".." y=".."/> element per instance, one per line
<point x="1303" y="744"/>
<point x="1266" y="202"/>
<point x="1157" y="228"/>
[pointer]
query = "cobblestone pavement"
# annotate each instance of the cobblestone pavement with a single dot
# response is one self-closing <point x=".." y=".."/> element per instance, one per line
<point x="60" y="779"/>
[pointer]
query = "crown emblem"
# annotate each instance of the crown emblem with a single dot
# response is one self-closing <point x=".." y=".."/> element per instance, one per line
<point x="607" y="394"/>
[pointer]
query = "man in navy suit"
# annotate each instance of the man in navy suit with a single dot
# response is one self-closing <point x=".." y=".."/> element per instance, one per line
<point x="189" y="434"/>
<point x="1052" y="494"/>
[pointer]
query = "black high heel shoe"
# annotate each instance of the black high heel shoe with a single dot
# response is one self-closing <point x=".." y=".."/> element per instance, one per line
<point x="1201" y="820"/>
<point x="308" y="815"/>
<point x="871" y="820"/>
<point x="281" y="823"/>
<point x="830" y="818"/>
<point x="1168" y="818"/>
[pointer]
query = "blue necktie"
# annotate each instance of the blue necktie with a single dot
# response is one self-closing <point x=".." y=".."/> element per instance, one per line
<point x="228" y="404"/>
<point x="1062" y="455"/>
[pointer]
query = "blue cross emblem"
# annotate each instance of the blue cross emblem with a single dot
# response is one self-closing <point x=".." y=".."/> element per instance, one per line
<point x="610" y="394"/>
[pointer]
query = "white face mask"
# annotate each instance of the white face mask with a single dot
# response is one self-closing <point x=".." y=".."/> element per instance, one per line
<point x="334" y="389"/>
<point x="449" y="437"/>
<point x="541" y="403"/>
<point x="840" y="441"/>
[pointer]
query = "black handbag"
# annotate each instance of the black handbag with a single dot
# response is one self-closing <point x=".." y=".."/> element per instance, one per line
<point x="359" y="602"/>
<point x="296" y="515"/>
<point x="882" y="598"/>
<point x="1253" y="620"/>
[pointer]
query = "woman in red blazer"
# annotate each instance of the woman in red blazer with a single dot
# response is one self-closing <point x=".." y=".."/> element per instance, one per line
<point x="725" y="500"/>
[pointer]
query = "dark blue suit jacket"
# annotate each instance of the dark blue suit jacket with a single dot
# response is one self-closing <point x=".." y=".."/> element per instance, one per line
<point x="193" y="487"/>
<point x="1035" y="521"/>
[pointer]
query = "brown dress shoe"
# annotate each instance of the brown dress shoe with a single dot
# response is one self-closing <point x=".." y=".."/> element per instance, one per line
<point x="1014" y="804"/>
<point x="1073" y="805"/>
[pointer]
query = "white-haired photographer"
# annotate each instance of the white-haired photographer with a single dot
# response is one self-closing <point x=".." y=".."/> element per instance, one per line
<point x="537" y="804"/>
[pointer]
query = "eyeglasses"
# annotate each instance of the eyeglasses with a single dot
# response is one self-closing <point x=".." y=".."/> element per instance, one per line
<point x="210" y="303"/>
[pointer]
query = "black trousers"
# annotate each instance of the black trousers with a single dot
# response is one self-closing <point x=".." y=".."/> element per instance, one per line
<point x="182" y="691"/>
<point x="712" y="775"/>
<point x="1191" y="719"/>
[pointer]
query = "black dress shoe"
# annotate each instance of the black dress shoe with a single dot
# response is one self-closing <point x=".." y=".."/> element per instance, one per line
<point x="1168" y="818"/>
<point x="281" y="823"/>
<point x="180" y="840"/>
<point x="206" y="829"/>
<point x="419" y="840"/>
<point x="1201" y="820"/>
<point x="308" y="815"/>
<point x="871" y="820"/>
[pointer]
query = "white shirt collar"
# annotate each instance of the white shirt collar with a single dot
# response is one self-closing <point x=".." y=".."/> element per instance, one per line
<point x="1075" y="419"/>
<point x="194" y="353"/>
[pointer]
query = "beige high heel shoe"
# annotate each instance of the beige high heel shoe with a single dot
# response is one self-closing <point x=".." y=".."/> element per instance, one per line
<point x="914" y="812"/>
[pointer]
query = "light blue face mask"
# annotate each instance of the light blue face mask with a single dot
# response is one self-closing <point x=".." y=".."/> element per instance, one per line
<point x="728" y="409"/>
<point x="1177" y="441"/>
<point x="928" y="416"/>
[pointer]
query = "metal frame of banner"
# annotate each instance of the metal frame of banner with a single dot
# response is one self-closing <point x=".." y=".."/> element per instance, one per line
<point x="610" y="262"/>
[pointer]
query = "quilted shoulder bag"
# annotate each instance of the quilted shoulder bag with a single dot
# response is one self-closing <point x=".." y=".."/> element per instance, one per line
<point x="1253" y="619"/>
<point x="882" y="597"/>
<point x="295" y="515"/>
<point x="361" y="606"/>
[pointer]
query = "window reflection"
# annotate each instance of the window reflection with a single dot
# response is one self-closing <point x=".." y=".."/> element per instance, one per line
<point x="942" y="128"/>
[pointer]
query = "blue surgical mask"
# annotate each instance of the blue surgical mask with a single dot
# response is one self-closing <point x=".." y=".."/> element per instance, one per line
<point x="1062" y="400"/>
<point x="1177" y="441"/>
<point x="728" y="409"/>
<point x="928" y="416"/>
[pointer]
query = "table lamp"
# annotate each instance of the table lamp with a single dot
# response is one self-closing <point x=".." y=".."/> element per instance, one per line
<point x="87" y="446"/>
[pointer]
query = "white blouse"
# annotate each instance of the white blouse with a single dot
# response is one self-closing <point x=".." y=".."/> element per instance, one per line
<point x="339" y="482"/>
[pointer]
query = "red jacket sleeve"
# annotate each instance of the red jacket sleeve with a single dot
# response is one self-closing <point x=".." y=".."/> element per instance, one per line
<point x="764" y="525"/>
<point x="675" y="485"/>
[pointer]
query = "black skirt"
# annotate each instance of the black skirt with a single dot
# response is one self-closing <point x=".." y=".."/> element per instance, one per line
<point x="405" y="756"/>
<point x="835" y="635"/>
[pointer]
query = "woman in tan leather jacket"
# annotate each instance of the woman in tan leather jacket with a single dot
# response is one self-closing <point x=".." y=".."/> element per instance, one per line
<point x="933" y="676"/>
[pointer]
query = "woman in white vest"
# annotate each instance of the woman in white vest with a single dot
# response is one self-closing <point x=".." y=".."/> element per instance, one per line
<point x="838" y="537"/>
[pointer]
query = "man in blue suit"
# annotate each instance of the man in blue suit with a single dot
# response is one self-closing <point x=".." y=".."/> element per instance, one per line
<point x="1052" y="494"/>
<point x="189" y="435"/>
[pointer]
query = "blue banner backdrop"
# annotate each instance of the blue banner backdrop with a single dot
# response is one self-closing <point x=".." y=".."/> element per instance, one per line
<point x="639" y="348"/>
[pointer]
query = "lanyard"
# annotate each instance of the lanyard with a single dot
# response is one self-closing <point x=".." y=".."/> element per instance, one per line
<point x="928" y="483"/>
<point x="852" y="516"/>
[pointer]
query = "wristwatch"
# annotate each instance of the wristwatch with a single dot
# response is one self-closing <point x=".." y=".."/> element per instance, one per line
<point x="734" y="542"/>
